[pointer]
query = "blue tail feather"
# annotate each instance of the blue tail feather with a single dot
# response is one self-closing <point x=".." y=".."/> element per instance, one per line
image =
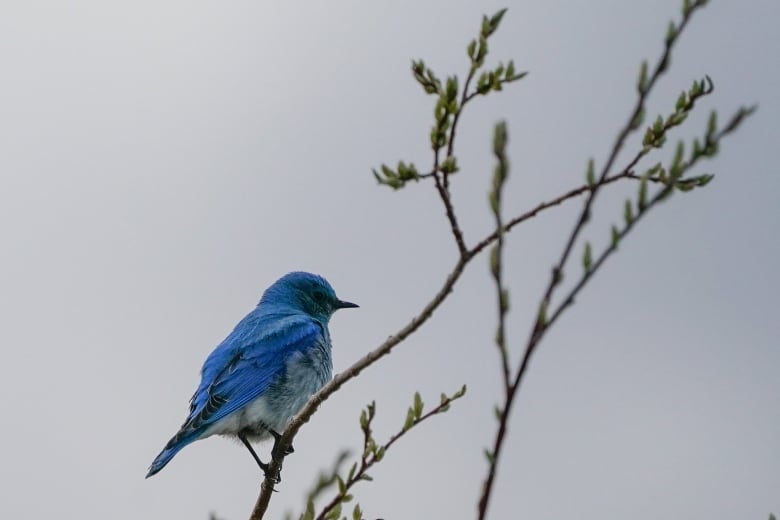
<point x="171" y="449"/>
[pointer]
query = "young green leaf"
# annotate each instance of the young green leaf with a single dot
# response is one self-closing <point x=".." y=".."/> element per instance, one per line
<point x="335" y="513"/>
<point x="641" y="84"/>
<point x="615" y="236"/>
<point x="628" y="212"/>
<point x="418" y="405"/>
<point x="590" y="174"/>
<point x="642" y="198"/>
<point x="541" y="318"/>
<point x="409" y="419"/>
<point x="587" y="259"/>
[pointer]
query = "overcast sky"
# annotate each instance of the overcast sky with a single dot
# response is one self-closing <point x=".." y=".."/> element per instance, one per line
<point x="161" y="163"/>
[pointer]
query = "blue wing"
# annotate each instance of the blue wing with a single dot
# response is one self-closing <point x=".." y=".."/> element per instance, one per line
<point x="234" y="377"/>
<point x="240" y="370"/>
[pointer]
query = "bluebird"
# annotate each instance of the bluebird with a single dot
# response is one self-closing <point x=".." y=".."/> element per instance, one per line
<point x="263" y="373"/>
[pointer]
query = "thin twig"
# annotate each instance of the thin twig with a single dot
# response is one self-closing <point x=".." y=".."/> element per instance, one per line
<point x="465" y="98"/>
<point x="528" y="215"/>
<point x="446" y="199"/>
<point x="499" y="178"/>
<point x="367" y="460"/>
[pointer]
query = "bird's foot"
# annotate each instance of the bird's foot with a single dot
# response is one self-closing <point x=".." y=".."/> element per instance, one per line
<point x="275" y="450"/>
<point x="274" y="479"/>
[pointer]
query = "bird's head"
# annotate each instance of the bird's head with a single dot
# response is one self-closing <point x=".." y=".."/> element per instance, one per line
<point x="305" y="292"/>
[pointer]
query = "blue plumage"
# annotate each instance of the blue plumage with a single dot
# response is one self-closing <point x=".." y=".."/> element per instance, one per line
<point x="263" y="373"/>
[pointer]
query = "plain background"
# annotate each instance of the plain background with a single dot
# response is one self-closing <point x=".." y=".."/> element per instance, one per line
<point x="161" y="163"/>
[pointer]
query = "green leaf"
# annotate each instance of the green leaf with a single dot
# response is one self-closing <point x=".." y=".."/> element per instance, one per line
<point x="696" y="150"/>
<point x="495" y="20"/>
<point x="682" y="101"/>
<point x="696" y="90"/>
<point x="541" y="318"/>
<point x="712" y="125"/>
<point x="628" y="213"/>
<point x="641" y="84"/>
<point x="638" y="120"/>
<point x="482" y="51"/>
<point x="494" y="260"/>
<point x="587" y="259"/>
<point x="485" y="29"/>
<point x="418" y="405"/>
<point x="590" y="175"/>
<point x="451" y="89"/>
<point x="677" y="119"/>
<point x="519" y="76"/>
<point x="658" y="126"/>
<point x="504" y="301"/>
<point x="407" y="172"/>
<point x="449" y="165"/>
<point x="334" y="513"/>
<point x="703" y="180"/>
<point x="649" y="137"/>
<point x="472" y="49"/>
<point x="409" y="419"/>
<point x="490" y="457"/>
<point x="510" y="71"/>
<point x="493" y="199"/>
<point x="357" y="513"/>
<point x="309" y="513"/>
<point x="379" y="454"/>
<point x="390" y="177"/>
<point x="642" y="198"/>
<point x="499" y="138"/>
<point x="615" y="236"/>
<point x="677" y="167"/>
<point x="684" y="185"/>
<point x="662" y="175"/>
<point x="671" y="33"/>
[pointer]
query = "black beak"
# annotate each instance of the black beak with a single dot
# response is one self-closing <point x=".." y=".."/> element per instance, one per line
<point x="346" y="305"/>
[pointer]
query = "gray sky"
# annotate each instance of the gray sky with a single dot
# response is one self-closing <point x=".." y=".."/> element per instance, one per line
<point x="162" y="163"/>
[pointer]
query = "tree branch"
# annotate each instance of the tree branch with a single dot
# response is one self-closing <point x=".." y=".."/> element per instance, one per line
<point x="541" y="325"/>
<point x="654" y="138"/>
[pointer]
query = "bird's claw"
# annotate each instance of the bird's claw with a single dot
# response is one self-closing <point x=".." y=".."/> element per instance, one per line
<point x="274" y="479"/>
<point x="275" y="450"/>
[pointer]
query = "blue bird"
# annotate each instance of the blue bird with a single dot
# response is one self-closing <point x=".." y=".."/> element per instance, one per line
<point x="263" y="373"/>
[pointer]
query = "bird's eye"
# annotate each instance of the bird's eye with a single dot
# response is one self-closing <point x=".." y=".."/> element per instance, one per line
<point x="319" y="296"/>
